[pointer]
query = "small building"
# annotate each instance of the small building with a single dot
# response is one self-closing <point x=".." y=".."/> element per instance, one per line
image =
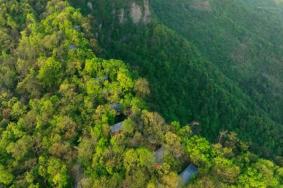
<point x="159" y="155"/>
<point x="117" y="107"/>
<point x="77" y="173"/>
<point x="190" y="172"/>
<point x="195" y="123"/>
<point x="72" y="47"/>
<point x="77" y="27"/>
<point x="116" y="128"/>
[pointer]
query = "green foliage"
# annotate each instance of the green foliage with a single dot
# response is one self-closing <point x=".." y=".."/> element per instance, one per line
<point x="200" y="151"/>
<point x="5" y="177"/>
<point x="226" y="170"/>
<point x="238" y="37"/>
<point x="56" y="114"/>
<point x="136" y="159"/>
<point x="184" y="55"/>
<point x="251" y="178"/>
<point x="50" y="72"/>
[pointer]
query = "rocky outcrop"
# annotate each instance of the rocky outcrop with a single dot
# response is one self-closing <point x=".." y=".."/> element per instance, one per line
<point x="121" y="16"/>
<point x="136" y="13"/>
<point x="89" y="5"/>
<point x="140" y="13"/>
<point x="146" y="12"/>
<point x="201" y="5"/>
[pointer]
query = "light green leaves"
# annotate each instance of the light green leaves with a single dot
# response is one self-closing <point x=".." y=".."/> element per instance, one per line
<point x="50" y="72"/>
<point x="5" y="176"/>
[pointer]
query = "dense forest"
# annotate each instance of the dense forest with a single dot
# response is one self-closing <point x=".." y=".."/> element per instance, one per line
<point x="62" y="95"/>
<point x="191" y="77"/>
<point x="244" y="42"/>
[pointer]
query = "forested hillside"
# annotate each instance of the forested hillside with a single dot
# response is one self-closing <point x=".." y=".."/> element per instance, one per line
<point x="71" y="118"/>
<point x="186" y="84"/>
<point x="243" y="38"/>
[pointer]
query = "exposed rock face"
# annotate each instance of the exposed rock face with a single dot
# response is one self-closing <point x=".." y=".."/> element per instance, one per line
<point x="201" y="5"/>
<point x="136" y="13"/>
<point x="140" y="13"/>
<point x="146" y="13"/>
<point x="89" y="5"/>
<point x="121" y="16"/>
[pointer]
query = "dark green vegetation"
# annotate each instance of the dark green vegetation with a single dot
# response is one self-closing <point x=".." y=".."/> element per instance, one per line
<point x="58" y="101"/>
<point x="243" y="38"/>
<point x="216" y="62"/>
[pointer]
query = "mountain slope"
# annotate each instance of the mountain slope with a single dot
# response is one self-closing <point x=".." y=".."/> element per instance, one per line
<point x="71" y="119"/>
<point x="243" y="38"/>
<point x="184" y="84"/>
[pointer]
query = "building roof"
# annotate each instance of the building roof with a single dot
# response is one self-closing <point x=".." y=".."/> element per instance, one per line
<point x="117" y="107"/>
<point x="159" y="155"/>
<point x="116" y="128"/>
<point x="188" y="173"/>
<point x="72" y="47"/>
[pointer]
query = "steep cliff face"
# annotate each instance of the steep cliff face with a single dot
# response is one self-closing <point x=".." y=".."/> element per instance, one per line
<point x="137" y="12"/>
<point x="122" y="12"/>
<point x="140" y="13"/>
